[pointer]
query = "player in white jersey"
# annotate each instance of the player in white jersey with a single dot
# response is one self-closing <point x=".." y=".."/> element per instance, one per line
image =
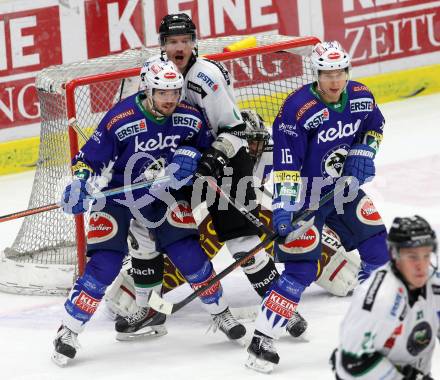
<point x="390" y="328"/>
<point x="208" y="86"/>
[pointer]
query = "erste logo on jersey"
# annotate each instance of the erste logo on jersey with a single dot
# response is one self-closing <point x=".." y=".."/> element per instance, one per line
<point x="361" y="105"/>
<point x="367" y="213"/>
<point x="317" y="119"/>
<point x="131" y="129"/>
<point x="332" y="162"/>
<point x="181" y="215"/>
<point x="187" y="121"/>
<point x="339" y="132"/>
<point x="102" y="227"/>
<point x="153" y="144"/>
<point x="205" y="78"/>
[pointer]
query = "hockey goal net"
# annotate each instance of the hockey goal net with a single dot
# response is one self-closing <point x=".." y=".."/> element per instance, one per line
<point x="49" y="250"/>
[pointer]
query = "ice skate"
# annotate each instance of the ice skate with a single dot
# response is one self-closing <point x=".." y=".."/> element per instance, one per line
<point x="262" y="354"/>
<point x="227" y="323"/>
<point x="144" y="323"/>
<point x="297" y="325"/>
<point x="66" y="343"/>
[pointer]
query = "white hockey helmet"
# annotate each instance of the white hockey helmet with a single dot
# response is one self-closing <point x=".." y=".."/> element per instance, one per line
<point x="329" y="56"/>
<point x="161" y="74"/>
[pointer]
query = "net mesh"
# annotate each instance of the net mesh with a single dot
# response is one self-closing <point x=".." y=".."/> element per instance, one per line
<point x="261" y="81"/>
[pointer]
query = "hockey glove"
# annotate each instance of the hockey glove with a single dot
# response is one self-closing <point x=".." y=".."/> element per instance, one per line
<point x="212" y="163"/>
<point x="359" y="163"/>
<point x="74" y="199"/>
<point x="411" y="373"/>
<point x="185" y="159"/>
<point x="282" y="222"/>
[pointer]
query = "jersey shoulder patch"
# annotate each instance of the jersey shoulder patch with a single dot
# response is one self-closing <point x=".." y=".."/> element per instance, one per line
<point x="223" y="71"/>
<point x="184" y="106"/>
<point x="122" y="113"/>
<point x="294" y="101"/>
<point x="359" y="89"/>
<point x="373" y="290"/>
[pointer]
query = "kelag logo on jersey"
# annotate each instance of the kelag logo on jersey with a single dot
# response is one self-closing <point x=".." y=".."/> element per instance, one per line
<point x="361" y="105"/>
<point x="185" y="120"/>
<point x="205" y="78"/>
<point x="131" y="129"/>
<point x="153" y="144"/>
<point x="317" y="119"/>
<point x="341" y="131"/>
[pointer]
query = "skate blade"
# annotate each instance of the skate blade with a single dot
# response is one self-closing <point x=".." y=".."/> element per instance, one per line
<point x="259" y="365"/>
<point x="152" y="332"/>
<point x="60" y="360"/>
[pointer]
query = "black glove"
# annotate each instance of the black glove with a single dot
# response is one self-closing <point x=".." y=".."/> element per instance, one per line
<point x="212" y="163"/>
<point x="411" y="373"/>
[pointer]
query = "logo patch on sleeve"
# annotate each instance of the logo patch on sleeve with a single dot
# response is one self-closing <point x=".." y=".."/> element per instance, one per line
<point x="102" y="227"/>
<point x="307" y="242"/>
<point x="373" y="289"/>
<point x="367" y="213"/>
<point x="181" y="216"/>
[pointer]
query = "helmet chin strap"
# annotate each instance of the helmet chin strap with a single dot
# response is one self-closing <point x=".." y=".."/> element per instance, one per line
<point x="152" y="107"/>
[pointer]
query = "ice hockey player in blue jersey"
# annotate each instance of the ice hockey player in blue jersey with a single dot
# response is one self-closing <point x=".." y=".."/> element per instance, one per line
<point x="324" y="130"/>
<point x="147" y="135"/>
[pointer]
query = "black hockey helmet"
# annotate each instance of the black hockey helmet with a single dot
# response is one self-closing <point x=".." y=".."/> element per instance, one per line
<point x="410" y="232"/>
<point x="176" y="24"/>
<point x="256" y="133"/>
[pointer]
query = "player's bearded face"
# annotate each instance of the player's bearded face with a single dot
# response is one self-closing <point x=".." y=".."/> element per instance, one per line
<point x="332" y="83"/>
<point x="414" y="264"/>
<point x="165" y="101"/>
<point x="179" y="50"/>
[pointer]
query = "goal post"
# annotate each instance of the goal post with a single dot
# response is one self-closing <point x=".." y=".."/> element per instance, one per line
<point x="49" y="249"/>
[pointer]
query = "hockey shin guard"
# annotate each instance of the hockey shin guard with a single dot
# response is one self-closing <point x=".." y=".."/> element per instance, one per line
<point x="260" y="270"/>
<point x="88" y="290"/>
<point x="278" y="306"/>
<point x="147" y="276"/>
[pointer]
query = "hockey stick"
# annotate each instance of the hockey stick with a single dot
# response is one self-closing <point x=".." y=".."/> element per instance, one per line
<point x="104" y="194"/>
<point x="166" y="307"/>
<point x="53" y="206"/>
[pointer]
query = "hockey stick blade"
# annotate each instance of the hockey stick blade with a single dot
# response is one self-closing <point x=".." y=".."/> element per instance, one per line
<point x="163" y="306"/>
<point x="159" y="304"/>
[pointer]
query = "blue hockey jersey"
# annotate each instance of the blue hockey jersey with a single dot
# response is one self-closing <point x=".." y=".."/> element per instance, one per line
<point x="130" y="141"/>
<point x="312" y="138"/>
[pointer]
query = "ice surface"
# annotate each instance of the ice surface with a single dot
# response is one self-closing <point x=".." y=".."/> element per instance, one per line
<point x="407" y="182"/>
